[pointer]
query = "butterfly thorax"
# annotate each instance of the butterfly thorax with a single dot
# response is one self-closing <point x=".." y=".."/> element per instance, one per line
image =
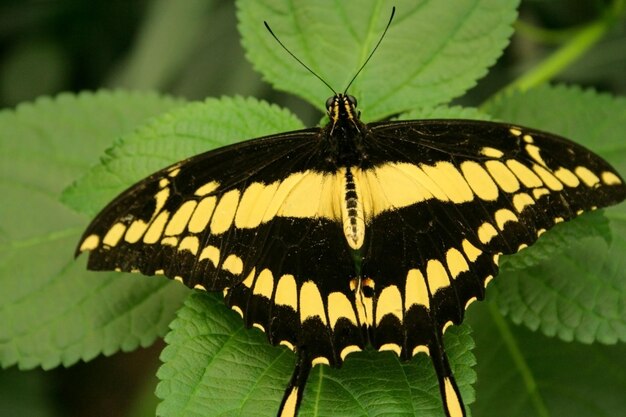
<point x="344" y="134"/>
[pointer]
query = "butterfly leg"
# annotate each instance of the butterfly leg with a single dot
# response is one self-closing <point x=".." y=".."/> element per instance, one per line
<point x="450" y="395"/>
<point x="293" y="394"/>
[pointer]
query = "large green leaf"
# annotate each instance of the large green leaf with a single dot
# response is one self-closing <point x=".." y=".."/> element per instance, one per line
<point x="214" y="366"/>
<point x="432" y="53"/>
<point x="52" y="310"/>
<point x="526" y="374"/>
<point x="577" y="291"/>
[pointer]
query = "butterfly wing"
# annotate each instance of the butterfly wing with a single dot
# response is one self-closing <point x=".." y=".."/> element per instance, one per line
<point x="451" y="197"/>
<point x="256" y="220"/>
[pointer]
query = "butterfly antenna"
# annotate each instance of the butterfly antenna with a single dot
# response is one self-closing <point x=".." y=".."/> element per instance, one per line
<point x="297" y="59"/>
<point x="393" y="12"/>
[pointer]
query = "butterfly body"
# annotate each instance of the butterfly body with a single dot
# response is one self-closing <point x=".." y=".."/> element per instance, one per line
<point x="353" y="234"/>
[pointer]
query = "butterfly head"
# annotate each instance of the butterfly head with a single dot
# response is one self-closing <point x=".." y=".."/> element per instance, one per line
<point x="342" y="108"/>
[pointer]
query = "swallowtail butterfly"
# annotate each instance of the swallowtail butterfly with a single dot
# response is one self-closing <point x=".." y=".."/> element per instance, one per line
<point x="335" y="238"/>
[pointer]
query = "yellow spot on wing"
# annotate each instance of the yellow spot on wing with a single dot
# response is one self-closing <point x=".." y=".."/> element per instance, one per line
<point x="524" y="174"/>
<point x="393" y="347"/>
<point x="491" y="152"/>
<point x="90" y="243"/>
<point x="348" y="350"/>
<point x="114" y="234"/>
<point x="339" y="307"/>
<point x="287" y="292"/>
<point x="534" y="153"/>
<point x="225" y="212"/>
<point x="233" y="264"/>
<point x="567" y="177"/>
<point x="155" y="231"/>
<point x="389" y="302"/>
<point x="589" y="178"/>
<point x="320" y="360"/>
<point x="515" y="131"/>
<point x="288" y="344"/>
<point x="237" y="310"/>
<point x="437" y="276"/>
<point x="521" y="200"/>
<point x="169" y="241"/>
<point x="456" y="262"/>
<point x="486" y="232"/>
<point x="548" y="178"/>
<point x="610" y="178"/>
<point x="538" y="192"/>
<point x="202" y="214"/>
<point x="415" y="290"/>
<point x="420" y="349"/>
<point x="249" y="281"/>
<point x="264" y="284"/>
<point x="471" y="251"/>
<point x="135" y="231"/>
<point x="254" y="200"/>
<point x="479" y="180"/>
<point x="160" y="199"/>
<point x="503" y="176"/>
<point x="207" y="188"/>
<point x="211" y="253"/>
<point x="179" y="220"/>
<point x="311" y="304"/>
<point x="503" y="216"/>
<point x="470" y="302"/>
<point x="190" y="243"/>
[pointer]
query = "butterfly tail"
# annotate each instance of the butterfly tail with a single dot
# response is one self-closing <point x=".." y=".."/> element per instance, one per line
<point x="450" y="395"/>
<point x="293" y="394"/>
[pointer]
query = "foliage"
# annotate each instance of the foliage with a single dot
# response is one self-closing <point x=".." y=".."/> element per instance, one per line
<point x="55" y="312"/>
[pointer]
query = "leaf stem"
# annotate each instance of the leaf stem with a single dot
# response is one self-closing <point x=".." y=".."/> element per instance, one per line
<point x="519" y="360"/>
<point x="568" y="53"/>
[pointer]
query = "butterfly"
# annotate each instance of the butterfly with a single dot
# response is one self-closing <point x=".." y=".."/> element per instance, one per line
<point x="350" y="235"/>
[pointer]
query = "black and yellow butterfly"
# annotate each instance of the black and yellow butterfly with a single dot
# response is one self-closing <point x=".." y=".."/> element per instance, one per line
<point x="335" y="238"/>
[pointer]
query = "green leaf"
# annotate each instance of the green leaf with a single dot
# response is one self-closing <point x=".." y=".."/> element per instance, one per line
<point x="523" y="374"/>
<point x="187" y="131"/>
<point x="214" y="366"/>
<point x="577" y="292"/>
<point x="51" y="309"/>
<point x="431" y="53"/>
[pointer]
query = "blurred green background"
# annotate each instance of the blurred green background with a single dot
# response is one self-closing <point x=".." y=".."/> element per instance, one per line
<point x="190" y="49"/>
